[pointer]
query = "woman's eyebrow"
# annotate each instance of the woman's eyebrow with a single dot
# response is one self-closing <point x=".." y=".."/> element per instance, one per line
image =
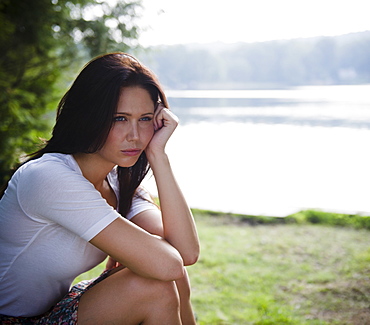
<point x="129" y="114"/>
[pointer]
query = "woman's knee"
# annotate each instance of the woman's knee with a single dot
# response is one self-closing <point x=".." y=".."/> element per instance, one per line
<point x="125" y="295"/>
<point x="156" y="298"/>
<point x="151" y="290"/>
<point x="128" y="285"/>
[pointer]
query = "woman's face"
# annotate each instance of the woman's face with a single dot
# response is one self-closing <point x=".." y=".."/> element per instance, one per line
<point x="132" y="128"/>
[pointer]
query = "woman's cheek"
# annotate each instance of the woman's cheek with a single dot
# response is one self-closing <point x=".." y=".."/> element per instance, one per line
<point x="149" y="132"/>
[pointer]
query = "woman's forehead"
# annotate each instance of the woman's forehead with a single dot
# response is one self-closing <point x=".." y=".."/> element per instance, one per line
<point x="135" y="100"/>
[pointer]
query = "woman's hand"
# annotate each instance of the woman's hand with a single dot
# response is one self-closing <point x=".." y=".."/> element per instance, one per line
<point x="111" y="264"/>
<point x="165" y="123"/>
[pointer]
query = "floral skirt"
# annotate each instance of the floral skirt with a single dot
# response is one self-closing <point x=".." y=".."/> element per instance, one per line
<point x="63" y="313"/>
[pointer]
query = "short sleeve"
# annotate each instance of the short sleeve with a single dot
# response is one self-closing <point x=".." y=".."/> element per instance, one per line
<point x="51" y="191"/>
<point x="141" y="202"/>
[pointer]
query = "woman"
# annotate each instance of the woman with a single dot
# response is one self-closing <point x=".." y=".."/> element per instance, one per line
<point x="78" y="200"/>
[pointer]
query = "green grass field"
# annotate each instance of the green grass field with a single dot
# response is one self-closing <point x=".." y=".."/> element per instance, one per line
<point x="279" y="273"/>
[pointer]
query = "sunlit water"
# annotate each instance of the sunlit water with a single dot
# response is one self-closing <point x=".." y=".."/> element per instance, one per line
<point x="273" y="152"/>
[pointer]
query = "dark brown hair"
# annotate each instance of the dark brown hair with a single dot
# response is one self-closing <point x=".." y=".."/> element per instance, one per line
<point x="85" y="114"/>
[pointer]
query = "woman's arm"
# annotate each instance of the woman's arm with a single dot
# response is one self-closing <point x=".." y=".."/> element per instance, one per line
<point x="178" y="223"/>
<point x="150" y="221"/>
<point x="145" y="254"/>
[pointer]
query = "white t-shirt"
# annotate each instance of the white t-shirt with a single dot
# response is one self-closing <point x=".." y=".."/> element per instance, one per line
<point x="48" y="214"/>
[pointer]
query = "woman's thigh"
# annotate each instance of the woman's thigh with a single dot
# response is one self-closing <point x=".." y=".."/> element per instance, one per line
<point x="126" y="298"/>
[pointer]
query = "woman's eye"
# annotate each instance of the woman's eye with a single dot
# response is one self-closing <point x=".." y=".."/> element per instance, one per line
<point x="146" y="119"/>
<point x="119" y="118"/>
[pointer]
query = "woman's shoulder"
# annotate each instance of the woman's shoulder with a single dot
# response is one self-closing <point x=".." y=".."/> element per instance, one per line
<point x="51" y="161"/>
<point x="51" y="167"/>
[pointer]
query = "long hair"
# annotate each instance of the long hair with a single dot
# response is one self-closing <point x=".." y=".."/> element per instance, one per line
<point x="85" y="114"/>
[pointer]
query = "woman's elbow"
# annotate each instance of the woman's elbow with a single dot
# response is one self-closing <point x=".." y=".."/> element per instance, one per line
<point x="192" y="257"/>
<point x="173" y="271"/>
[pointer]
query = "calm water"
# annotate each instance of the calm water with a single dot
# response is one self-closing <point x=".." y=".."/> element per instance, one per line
<point x="273" y="152"/>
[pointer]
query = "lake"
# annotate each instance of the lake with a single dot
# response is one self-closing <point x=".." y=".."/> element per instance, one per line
<point x="273" y="152"/>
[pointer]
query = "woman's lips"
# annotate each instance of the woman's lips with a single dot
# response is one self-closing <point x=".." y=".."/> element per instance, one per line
<point x="131" y="152"/>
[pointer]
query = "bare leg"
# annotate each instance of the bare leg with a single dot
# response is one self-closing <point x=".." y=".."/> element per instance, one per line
<point x="186" y="310"/>
<point x="126" y="298"/>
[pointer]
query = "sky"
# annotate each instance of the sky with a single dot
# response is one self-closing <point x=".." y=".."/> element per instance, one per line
<point x="205" y="21"/>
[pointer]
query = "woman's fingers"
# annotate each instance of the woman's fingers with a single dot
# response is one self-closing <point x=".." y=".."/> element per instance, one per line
<point x="158" y="117"/>
<point x="111" y="263"/>
<point x="163" y="117"/>
<point x="164" y="123"/>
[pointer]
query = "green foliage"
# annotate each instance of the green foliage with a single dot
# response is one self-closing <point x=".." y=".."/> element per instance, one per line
<point x="331" y="219"/>
<point x="302" y="217"/>
<point x="42" y="44"/>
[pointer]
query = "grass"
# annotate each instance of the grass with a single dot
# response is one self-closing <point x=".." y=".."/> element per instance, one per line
<point x="279" y="271"/>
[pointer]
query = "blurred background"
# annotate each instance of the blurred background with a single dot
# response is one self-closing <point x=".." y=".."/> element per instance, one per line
<point x="273" y="96"/>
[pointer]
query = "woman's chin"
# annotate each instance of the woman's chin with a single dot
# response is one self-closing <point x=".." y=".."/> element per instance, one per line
<point x="128" y="164"/>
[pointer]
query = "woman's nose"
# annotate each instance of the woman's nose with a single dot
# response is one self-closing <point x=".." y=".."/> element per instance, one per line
<point x="133" y="134"/>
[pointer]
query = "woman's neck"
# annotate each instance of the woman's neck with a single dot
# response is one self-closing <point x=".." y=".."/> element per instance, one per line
<point x="93" y="168"/>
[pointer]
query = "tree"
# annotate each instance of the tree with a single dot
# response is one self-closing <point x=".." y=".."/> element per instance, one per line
<point x="40" y="41"/>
